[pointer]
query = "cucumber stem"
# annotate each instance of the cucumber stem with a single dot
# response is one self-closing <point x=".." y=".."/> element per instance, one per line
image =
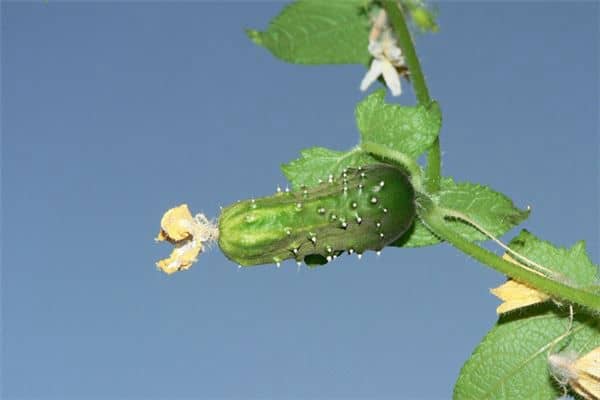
<point x="399" y="158"/>
<point x="434" y="219"/>
<point x="528" y="263"/>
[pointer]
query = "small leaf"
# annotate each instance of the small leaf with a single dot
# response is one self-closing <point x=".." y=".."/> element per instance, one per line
<point x="318" y="32"/>
<point x="410" y="130"/>
<point x="490" y="209"/>
<point x="512" y="360"/>
<point x="573" y="263"/>
<point x="318" y="162"/>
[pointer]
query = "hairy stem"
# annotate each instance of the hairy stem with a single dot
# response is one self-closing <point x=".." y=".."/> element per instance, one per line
<point x="396" y="17"/>
<point x="521" y="259"/>
<point x="434" y="219"/>
<point x="433" y="169"/>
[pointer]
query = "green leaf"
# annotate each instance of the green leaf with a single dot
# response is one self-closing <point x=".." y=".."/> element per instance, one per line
<point x="318" y="32"/>
<point x="511" y="361"/>
<point x="416" y="236"/>
<point x="318" y="162"/>
<point x="410" y="130"/>
<point x="572" y="263"/>
<point x="490" y="209"/>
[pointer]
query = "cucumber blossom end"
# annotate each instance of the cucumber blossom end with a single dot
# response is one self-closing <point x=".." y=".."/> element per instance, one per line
<point x="189" y="236"/>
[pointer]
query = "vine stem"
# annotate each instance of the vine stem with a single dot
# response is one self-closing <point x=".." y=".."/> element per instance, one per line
<point x="431" y="215"/>
<point x="434" y="219"/>
<point x="396" y="17"/>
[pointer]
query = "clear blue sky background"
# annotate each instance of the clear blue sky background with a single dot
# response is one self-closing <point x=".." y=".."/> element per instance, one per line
<point x="112" y="113"/>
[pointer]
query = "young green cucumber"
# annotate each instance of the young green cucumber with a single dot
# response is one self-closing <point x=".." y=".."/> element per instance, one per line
<point x="365" y="208"/>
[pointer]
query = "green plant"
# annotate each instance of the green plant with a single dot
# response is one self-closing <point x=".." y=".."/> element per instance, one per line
<point x="550" y="346"/>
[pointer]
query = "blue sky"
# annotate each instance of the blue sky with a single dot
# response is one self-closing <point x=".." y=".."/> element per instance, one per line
<point x="98" y="97"/>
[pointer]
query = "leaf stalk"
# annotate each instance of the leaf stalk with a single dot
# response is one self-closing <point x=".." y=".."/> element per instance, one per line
<point x="434" y="219"/>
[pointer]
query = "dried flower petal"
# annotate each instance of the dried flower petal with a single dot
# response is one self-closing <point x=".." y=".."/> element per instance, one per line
<point x="517" y="295"/>
<point x="582" y="374"/>
<point x="176" y="224"/>
<point x="188" y="234"/>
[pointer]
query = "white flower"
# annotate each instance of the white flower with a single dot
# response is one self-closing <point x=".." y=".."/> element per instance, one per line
<point x="387" y="56"/>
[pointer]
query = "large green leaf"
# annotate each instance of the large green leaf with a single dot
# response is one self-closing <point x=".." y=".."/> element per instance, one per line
<point x="318" y="32"/>
<point x="488" y="208"/>
<point x="512" y="360"/>
<point x="318" y="163"/>
<point x="409" y="130"/>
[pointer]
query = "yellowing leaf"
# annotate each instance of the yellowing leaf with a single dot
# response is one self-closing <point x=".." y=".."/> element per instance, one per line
<point x="582" y="374"/>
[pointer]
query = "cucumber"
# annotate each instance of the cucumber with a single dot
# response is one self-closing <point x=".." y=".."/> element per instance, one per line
<point x="366" y="208"/>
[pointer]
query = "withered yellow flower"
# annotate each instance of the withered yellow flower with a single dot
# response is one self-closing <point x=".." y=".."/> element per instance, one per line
<point x="188" y="234"/>
<point x="582" y="374"/>
<point x="516" y="295"/>
<point x="176" y="224"/>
